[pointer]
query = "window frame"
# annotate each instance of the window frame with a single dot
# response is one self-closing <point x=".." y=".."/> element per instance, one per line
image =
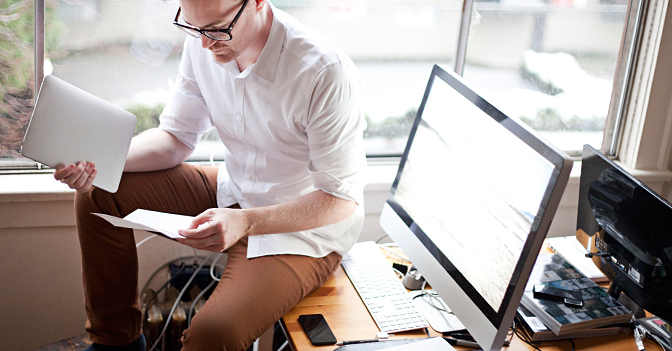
<point x="624" y="77"/>
<point x="628" y="70"/>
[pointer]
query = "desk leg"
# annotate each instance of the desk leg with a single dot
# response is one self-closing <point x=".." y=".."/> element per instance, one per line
<point x="290" y="343"/>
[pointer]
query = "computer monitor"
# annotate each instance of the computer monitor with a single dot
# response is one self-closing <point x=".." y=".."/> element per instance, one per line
<point x="634" y="232"/>
<point x="472" y="201"/>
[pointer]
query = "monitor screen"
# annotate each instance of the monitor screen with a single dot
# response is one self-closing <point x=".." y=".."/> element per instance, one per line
<point x="475" y="189"/>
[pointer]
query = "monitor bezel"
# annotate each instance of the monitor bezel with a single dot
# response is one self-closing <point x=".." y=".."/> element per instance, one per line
<point x="561" y="163"/>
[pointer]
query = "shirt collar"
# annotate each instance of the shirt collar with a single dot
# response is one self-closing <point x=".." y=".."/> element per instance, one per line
<point x="267" y="64"/>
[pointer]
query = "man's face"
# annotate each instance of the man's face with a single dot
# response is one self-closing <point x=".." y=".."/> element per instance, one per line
<point x="210" y="14"/>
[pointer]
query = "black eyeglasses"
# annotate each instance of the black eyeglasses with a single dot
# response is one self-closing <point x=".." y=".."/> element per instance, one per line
<point x="222" y="34"/>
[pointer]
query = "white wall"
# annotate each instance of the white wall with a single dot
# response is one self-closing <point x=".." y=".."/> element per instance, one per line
<point x="41" y="298"/>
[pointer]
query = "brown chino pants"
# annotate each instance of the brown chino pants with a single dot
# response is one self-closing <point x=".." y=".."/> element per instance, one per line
<point x="251" y="296"/>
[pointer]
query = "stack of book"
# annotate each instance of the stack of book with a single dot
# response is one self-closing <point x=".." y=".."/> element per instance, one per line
<point x="548" y="319"/>
<point x="573" y="252"/>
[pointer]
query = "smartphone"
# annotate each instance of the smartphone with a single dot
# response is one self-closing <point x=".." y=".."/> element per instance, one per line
<point x="570" y="298"/>
<point x="317" y="329"/>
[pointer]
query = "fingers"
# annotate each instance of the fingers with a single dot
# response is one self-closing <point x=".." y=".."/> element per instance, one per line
<point x="200" y="219"/>
<point x="212" y="243"/>
<point x="74" y="174"/>
<point x="209" y="231"/>
<point x="89" y="181"/>
<point x="78" y="176"/>
<point x="63" y="171"/>
<point x="201" y="231"/>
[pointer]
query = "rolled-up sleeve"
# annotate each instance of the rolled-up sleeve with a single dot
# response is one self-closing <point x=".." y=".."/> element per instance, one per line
<point x="186" y="115"/>
<point x="335" y="133"/>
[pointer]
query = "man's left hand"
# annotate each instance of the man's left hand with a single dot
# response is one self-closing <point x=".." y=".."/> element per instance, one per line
<point x="216" y="229"/>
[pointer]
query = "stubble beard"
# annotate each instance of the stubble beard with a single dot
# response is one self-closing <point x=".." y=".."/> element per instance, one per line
<point x="224" y="54"/>
<point x="224" y="57"/>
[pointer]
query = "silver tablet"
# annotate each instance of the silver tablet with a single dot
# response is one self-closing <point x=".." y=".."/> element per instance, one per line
<point x="69" y="125"/>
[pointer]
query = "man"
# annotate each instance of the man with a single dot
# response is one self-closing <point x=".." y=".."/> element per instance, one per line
<point x="285" y="102"/>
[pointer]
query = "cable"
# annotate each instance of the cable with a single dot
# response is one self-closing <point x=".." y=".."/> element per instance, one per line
<point x="389" y="245"/>
<point x="212" y="267"/>
<point x="573" y="344"/>
<point x="284" y="344"/>
<point x="381" y="238"/>
<point x="524" y="338"/>
<point x="386" y="248"/>
<point x="177" y="301"/>
<point x="198" y="297"/>
<point x="182" y="267"/>
<point x="640" y="332"/>
<point x="511" y="333"/>
<point x="145" y="240"/>
<point x="433" y="296"/>
<point x="151" y="277"/>
<point x="398" y="272"/>
<point x="156" y="294"/>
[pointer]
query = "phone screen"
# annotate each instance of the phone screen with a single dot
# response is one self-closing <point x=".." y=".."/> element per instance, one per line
<point x="317" y="329"/>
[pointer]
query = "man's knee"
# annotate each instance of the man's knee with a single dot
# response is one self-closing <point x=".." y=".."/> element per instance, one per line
<point x="101" y="201"/>
<point x="219" y="333"/>
<point x="94" y="200"/>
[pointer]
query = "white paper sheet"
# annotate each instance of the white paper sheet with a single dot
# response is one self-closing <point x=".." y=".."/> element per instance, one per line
<point x="432" y="344"/>
<point x="165" y="223"/>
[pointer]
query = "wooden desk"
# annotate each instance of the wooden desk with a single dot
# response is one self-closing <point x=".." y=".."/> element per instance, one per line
<point x="349" y="319"/>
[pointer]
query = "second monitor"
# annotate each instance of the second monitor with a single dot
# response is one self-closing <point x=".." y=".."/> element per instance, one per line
<point x="472" y="201"/>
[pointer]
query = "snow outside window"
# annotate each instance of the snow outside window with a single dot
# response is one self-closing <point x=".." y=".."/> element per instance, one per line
<point x="549" y="63"/>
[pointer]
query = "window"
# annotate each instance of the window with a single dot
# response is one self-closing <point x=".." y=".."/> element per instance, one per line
<point x="16" y="72"/>
<point x="554" y="65"/>
<point x="551" y="63"/>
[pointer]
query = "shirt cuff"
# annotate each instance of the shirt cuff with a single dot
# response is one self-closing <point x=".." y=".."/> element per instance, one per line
<point x="347" y="189"/>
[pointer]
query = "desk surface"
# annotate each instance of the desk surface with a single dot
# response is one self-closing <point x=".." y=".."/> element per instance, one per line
<point x="349" y="319"/>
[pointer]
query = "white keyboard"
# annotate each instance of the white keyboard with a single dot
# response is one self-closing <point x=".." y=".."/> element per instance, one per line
<point x="381" y="290"/>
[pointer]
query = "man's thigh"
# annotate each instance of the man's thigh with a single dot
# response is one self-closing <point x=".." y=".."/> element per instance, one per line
<point x="252" y="295"/>
<point x="185" y="189"/>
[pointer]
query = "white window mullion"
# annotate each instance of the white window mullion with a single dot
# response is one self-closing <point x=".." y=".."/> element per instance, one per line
<point x="643" y="122"/>
<point x="38" y="44"/>
<point x="625" y="73"/>
<point x="463" y="36"/>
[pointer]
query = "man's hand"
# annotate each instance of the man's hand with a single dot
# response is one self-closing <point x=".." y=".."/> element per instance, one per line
<point x="78" y="176"/>
<point x="216" y="229"/>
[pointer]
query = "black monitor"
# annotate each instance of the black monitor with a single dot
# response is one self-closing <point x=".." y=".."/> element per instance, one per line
<point x="474" y="196"/>
<point x="632" y="229"/>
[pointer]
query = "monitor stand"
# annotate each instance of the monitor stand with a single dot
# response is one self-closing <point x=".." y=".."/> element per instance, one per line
<point x="615" y="292"/>
<point x="434" y="310"/>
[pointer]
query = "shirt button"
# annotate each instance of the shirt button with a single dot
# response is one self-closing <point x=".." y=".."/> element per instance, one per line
<point x="239" y="118"/>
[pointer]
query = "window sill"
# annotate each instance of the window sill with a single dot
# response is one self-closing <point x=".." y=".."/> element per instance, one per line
<point x="33" y="187"/>
<point x="42" y="186"/>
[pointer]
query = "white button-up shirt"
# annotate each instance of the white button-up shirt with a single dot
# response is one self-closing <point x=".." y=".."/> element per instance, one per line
<point x="292" y="123"/>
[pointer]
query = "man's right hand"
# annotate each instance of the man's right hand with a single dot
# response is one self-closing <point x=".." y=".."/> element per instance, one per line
<point x="78" y="176"/>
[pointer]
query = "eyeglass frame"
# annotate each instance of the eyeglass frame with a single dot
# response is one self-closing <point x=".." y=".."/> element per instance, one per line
<point x="227" y="31"/>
